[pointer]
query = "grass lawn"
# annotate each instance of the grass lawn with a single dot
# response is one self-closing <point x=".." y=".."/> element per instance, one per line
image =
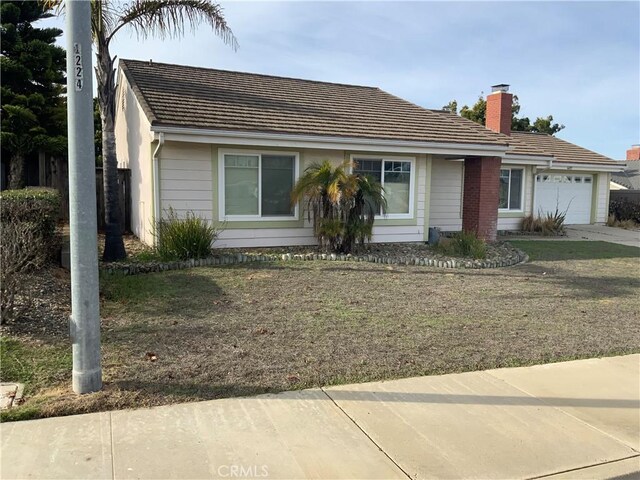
<point x="576" y="250"/>
<point x="254" y="328"/>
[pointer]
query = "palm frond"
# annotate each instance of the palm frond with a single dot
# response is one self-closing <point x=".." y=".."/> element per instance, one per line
<point x="104" y="17"/>
<point x="169" y="18"/>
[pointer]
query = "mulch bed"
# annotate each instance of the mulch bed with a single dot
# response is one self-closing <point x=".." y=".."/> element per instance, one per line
<point x="49" y="307"/>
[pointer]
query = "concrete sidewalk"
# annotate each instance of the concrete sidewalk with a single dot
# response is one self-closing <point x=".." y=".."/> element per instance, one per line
<point x="587" y="233"/>
<point x="604" y="233"/>
<point x="577" y="419"/>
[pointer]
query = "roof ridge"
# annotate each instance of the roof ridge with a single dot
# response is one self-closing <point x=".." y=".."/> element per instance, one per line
<point x="532" y="133"/>
<point x="264" y="75"/>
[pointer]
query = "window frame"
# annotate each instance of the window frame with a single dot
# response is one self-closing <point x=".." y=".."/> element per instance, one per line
<point x="522" y="189"/>
<point x="412" y="180"/>
<point x="223" y="217"/>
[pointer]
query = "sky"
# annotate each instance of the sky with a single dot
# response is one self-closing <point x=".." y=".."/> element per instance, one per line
<point x="578" y="61"/>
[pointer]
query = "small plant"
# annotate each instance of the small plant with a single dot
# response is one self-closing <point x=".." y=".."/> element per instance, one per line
<point x="547" y="224"/>
<point x="612" y="221"/>
<point x="183" y="238"/>
<point x="464" y="244"/>
<point x="342" y="206"/>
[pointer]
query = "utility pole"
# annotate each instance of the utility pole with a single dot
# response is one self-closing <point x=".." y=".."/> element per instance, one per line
<point x="85" y="309"/>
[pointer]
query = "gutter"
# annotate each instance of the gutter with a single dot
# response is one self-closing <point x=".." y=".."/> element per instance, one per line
<point x="230" y="137"/>
<point x="595" y="167"/>
<point x="156" y="179"/>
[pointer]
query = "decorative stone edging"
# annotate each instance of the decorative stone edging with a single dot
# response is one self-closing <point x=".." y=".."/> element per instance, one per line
<point x="232" y="259"/>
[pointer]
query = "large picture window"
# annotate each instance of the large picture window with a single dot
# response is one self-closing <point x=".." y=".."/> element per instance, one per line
<point x="258" y="185"/>
<point x="396" y="178"/>
<point x="511" y="188"/>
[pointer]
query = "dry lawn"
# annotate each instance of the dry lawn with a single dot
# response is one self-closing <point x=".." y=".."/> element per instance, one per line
<point x="240" y="330"/>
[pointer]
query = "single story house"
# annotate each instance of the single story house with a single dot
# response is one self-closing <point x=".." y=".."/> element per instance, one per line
<point x="629" y="177"/>
<point x="229" y="146"/>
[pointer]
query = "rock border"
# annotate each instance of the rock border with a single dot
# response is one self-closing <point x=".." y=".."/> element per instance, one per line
<point x="237" y="258"/>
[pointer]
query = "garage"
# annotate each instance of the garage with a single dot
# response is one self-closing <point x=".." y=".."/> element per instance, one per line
<point x="566" y="192"/>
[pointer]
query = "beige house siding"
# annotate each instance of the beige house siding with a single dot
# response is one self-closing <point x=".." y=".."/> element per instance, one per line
<point x="602" y="204"/>
<point x="189" y="182"/>
<point x="445" y="209"/>
<point x="186" y="178"/>
<point x="133" y="149"/>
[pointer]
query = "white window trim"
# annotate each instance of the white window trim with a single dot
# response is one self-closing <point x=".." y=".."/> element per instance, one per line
<point x="412" y="181"/>
<point x="253" y="218"/>
<point x="522" y="189"/>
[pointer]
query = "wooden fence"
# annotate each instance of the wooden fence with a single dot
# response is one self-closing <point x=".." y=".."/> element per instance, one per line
<point x="124" y="185"/>
<point x="54" y="173"/>
<point x="632" y="196"/>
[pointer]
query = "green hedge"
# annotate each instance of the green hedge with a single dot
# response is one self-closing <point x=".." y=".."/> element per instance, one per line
<point x="38" y="206"/>
<point x="625" y="210"/>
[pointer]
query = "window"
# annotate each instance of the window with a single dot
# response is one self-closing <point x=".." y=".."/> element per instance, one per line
<point x="258" y="185"/>
<point x="587" y="179"/>
<point x="511" y="183"/>
<point x="395" y="177"/>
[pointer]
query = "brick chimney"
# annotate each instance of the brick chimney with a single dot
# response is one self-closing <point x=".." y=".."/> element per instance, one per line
<point x="498" y="114"/>
<point x="633" y="153"/>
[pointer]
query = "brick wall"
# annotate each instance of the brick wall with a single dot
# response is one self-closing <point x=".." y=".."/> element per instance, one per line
<point x="633" y="153"/>
<point x="498" y="114"/>
<point x="481" y="196"/>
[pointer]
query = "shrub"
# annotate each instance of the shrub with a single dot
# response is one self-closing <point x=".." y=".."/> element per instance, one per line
<point x="28" y="239"/>
<point x="183" y="238"/>
<point x="548" y="224"/>
<point x="37" y="206"/>
<point x="612" y="221"/>
<point x="464" y="244"/>
<point x="341" y="205"/>
<point x="625" y="210"/>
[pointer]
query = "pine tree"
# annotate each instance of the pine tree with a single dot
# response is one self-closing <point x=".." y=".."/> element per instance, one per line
<point x="32" y="69"/>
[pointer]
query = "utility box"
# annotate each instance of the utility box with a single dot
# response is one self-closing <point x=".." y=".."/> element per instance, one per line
<point x="434" y="236"/>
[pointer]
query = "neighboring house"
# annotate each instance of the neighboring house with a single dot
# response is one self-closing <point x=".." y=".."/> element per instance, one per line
<point x="229" y="146"/>
<point x="629" y="178"/>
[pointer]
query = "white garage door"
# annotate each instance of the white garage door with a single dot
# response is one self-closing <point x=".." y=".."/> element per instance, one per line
<point x="565" y="192"/>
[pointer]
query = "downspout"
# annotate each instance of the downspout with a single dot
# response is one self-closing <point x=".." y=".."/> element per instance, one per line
<point x="156" y="180"/>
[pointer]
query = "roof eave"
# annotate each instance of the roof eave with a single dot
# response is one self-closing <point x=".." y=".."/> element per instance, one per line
<point x="522" y="159"/>
<point x="597" y="167"/>
<point x="232" y="137"/>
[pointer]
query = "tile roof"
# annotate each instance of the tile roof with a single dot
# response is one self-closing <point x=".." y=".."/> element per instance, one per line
<point x="630" y="178"/>
<point x="176" y="95"/>
<point x="195" y="97"/>
<point x="562" y="150"/>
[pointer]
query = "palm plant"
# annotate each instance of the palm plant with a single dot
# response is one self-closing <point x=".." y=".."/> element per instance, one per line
<point x="164" y="18"/>
<point x="366" y="201"/>
<point x="342" y="206"/>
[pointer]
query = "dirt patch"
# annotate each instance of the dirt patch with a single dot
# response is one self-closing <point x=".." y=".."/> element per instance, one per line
<point x="50" y="306"/>
<point x="132" y="245"/>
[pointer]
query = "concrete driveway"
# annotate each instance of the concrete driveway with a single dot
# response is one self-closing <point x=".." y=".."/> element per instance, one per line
<point x="604" y="233"/>
<point x="578" y="419"/>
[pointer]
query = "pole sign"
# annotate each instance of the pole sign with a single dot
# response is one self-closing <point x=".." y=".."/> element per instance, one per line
<point x="77" y="65"/>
